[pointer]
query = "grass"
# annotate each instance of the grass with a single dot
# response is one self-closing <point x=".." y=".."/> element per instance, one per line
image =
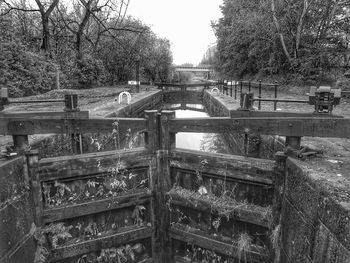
<point x="276" y="241"/>
<point x="244" y="243"/>
<point x="224" y="205"/>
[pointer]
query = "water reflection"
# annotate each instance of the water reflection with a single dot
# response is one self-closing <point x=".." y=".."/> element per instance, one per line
<point x="197" y="141"/>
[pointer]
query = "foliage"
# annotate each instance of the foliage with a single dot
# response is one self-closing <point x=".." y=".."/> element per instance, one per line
<point x="224" y="205"/>
<point x="276" y="241"/>
<point x="305" y="38"/>
<point x="24" y="72"/>
<point x="91" y="42"/>
<point x="137" y="214"/>
<point x="49" y="237"/>
<point x="198" y="254"/>
<point x="244" y="243"/>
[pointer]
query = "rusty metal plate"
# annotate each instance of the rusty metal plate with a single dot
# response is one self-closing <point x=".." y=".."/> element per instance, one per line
<point x="21" y="127"/>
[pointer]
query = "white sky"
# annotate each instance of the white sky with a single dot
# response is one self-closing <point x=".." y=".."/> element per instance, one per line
<point x="186" y="23"/>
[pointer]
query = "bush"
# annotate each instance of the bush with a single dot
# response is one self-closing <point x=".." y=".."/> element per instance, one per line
<point x="89" y="72"/>
<point x="25" y="73"/>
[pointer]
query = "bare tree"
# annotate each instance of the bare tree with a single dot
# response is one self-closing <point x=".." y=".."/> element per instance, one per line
<point x="44" y="8"/>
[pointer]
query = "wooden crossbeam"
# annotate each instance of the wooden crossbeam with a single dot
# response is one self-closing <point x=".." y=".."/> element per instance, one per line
<point x="312" y="127"/>
<point x="279" y="114"/>
<point x="123" y="236"/>
<point x="231" y="167"/>
<point x="201" y="239"/>
<point x="43" y="115"/>
<point x="43" y="125"/>
<point x="93" y="207"/>
<point x="91" y="164"/>
<point x="252" y="214"/>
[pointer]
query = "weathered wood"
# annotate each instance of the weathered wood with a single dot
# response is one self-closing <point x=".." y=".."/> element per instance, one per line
<point x="16" y="218"/>
<point x="189" y="97"/>
<point x="220" y="165"/>
<point x="185" y="108"/>
<point x="147" y="260"/>
<point x="22" y="252"/>
<point x="91" y="163"/>
<point x="152" y="138"/>
<point x="93" y="207"/>
<point x="216" y="243"/>
<point x="293" y="142"/>
<point x="162" y="186"/>
<point x="279" y="114"/>
<point x="20" y="142"/>
<point x="252" y="214"/>
<point x="67" y="126"/>
<point x="123" y="236"/>
<point x="312" y="127"/>
<point x="179" y="85"/>
<point x="43" y="115"/>
<point x="167" y="138"/>
<point x="32" y="159"/>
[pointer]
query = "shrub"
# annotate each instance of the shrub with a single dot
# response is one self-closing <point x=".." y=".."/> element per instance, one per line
<point x="25" y="73"/>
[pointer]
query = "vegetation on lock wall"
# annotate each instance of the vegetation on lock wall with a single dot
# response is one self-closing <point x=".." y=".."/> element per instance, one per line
<point x="302" y="39"/>
<point x="90" y="42"/>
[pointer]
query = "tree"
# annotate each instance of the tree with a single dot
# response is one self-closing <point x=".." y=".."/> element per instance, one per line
<point x="305" y="37"/>
<point x="44" y="8"/>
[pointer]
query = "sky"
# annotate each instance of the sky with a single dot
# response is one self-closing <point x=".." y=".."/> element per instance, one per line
<point x="186" y="23"/>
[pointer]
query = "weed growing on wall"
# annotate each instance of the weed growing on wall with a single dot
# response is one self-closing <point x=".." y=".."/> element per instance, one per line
<point x="243" y="244"/>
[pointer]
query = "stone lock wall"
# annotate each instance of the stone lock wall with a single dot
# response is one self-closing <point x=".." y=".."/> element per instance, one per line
<point x="315" y="223"/>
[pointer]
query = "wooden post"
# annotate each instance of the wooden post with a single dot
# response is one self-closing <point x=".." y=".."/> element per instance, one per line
<point x="152" y="137"/>
<point x="278" y="197"/>
<point x="71" y="105"/>
<point x="249" y="86"/>
<point x="293" y="142"/>
<point x="235" y="90"/>
<point x="167" y="139"/>
<point x="162" y="185"/>
<point x="32" y="162"/>
<point x="259" y="104"/>
<point x="246" y="144"/>
<point x="231" y="89"/>
<point x="3" y="97"/>
<point x="275" y="103"/>
<point x="20" y="142"/>
<point x="241" y="86"/>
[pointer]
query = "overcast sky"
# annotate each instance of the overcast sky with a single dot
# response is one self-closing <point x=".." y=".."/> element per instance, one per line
<point x="186" y="23"/>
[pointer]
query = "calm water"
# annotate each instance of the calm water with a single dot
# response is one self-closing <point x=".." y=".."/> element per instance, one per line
<point x="197" y="141"/>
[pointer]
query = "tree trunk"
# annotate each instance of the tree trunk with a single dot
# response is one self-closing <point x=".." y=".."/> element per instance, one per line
<point x="300" y="28"/>
<point x="285" y="50"/>
<point x="46" y="34"/>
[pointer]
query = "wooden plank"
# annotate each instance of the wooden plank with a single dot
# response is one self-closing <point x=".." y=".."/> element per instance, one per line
<point x="123" y="236"/>
<point x="16" y="218"/>
<point x="147" y="260"/>
<point x="311" y="127"/>
<point x="93" y="207"/>
<point x="27" y="126"/>
<point x="201" y="239"/>
<point x="91" y="164"/>
<point x="162" y="185"/>
<point x="44" y="115"/>
<point x="278" y="114"/>
<point x="220" y="165"/>
<point x="252" y="214"/>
